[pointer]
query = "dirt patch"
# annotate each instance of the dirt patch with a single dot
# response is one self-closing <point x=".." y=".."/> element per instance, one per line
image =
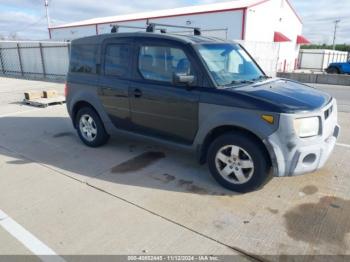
<point x="309" y="190"/>
<point x="19" y="162"/>
<point x="324" y="222"/>
<point x="272" y="210"/>
<point x="138" y="162"/>
<point x="182" y="184"/>
<point x="62" y="134"/>
<point x="165" y="178"/>
<point x="191" y="187"/>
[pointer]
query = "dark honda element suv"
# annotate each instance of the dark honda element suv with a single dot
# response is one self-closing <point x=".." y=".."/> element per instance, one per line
<point x="202" y="94"/>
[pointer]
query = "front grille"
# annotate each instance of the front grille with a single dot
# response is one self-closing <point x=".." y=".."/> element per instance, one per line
<point x="328" y="112"/>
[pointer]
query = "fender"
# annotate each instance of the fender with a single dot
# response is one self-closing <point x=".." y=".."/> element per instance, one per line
<point x="213" y="116"/>
<point x="89" y="94"/>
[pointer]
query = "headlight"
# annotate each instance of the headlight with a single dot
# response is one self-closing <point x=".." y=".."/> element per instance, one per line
<point x="306" y="127"/>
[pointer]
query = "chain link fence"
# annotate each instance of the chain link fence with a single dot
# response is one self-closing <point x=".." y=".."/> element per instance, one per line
<point x="34" y="60"/>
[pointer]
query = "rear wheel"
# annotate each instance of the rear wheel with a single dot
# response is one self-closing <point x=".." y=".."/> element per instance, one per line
<point x="333" y="70"/>
<point x="90" y="128"/>
<point x="237" y="162"/>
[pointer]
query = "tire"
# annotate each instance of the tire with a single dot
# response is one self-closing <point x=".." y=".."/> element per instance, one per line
<point x="94" y="134"/>
<point x="333" y="70"/>
<point x="229" y="172"/>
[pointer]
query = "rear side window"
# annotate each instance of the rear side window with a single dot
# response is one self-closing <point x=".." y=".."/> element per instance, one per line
<point x="83" y="59"/>
<point x="117" y="60"/>
<point x="160" y="63"/>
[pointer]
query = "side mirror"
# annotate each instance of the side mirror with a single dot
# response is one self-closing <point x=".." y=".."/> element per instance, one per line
<point x="183" y="79"/>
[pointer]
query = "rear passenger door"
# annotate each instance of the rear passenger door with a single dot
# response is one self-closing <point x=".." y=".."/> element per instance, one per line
<point x="115" y="80"/>
<point x="158" y="107"/>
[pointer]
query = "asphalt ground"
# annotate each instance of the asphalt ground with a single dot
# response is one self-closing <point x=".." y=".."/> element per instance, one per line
<point x="58" y="196"/>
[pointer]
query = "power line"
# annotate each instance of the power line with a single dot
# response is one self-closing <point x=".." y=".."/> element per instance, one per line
<point x="23" y="28"/>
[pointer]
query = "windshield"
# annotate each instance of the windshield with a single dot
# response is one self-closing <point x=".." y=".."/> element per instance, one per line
<point x="229" y="64"/>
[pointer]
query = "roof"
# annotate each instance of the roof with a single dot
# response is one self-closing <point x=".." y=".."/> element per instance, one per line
<point x="195" y="9"/>
<point x="96" y="39"/>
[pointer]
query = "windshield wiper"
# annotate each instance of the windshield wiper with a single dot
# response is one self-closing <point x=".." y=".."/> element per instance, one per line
<point x="262" y="77"/>
<point x="246" y="81"/>
<point x="238" y="82"/>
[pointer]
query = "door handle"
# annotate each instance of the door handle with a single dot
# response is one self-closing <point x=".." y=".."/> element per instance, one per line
<point x="137" y="93"/>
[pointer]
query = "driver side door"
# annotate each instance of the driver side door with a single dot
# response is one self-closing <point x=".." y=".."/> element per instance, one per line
<point x="158" y="107"/>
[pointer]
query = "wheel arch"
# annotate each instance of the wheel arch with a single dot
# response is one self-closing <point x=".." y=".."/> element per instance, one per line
<point x="336" y="67"/>
<point x="86" y="97"/>
<point x="224" y="129"/>
<point x="77" y="106"/>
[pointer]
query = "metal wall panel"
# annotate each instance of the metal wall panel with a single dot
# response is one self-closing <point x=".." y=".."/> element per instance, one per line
<point x="30" y="58"/>
<point x="56" y="59"/>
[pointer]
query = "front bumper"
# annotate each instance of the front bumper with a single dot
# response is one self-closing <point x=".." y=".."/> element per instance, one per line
<point x="291" y="155"/>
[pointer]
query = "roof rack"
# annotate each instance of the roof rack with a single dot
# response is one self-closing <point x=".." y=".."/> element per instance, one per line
<point x="115" y="27"/>
<point x="151" y="27"/>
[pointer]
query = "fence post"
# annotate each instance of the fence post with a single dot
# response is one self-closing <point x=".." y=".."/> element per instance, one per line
<point x="322" y="63"/>
<point x="2" y="62"/>
<point x="300" y="62"/>
<point x="42" y="59"/>
<point x="68" y="48"/>
<point x="20" y="59"/>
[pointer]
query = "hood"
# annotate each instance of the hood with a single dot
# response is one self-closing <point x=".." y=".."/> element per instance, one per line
<point x="286" y="95"/>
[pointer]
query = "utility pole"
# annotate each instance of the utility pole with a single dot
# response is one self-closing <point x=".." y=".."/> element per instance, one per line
<point x="46" y="2"/>
<point x="335" y="32"/>
<point x="47" y="13"/>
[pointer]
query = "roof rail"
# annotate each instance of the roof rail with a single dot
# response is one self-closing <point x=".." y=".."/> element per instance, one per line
<point x="151" y="27"/>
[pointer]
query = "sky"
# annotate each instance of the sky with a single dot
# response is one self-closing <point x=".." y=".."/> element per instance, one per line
<point x="26" y="19"/>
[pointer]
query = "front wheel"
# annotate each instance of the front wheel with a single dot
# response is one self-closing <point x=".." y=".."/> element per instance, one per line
<point x="90" y="128"/>
<point x="237" y="162"/>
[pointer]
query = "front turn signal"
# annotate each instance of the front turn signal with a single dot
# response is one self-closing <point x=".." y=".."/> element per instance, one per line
<point x="268" y="118"/>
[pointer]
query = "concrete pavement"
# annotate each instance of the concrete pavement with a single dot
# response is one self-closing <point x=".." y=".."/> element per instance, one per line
<point x="79" y="200"/>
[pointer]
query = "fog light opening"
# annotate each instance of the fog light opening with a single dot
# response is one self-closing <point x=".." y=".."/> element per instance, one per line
<point x="309" y="159"/>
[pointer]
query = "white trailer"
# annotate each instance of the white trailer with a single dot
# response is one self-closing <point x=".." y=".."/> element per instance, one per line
<point x="274" y="23"/>
<point x="319" y="59"/>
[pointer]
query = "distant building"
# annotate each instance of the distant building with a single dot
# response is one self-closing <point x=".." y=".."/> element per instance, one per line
<point x="273" y="21"/>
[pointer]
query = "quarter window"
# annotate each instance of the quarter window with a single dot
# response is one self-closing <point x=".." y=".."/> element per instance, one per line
<point x="83" y="59"/>
<point x="160" y="63"/>
<point x="117" y="60"/>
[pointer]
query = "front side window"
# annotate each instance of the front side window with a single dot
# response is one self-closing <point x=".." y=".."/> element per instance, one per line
<point x="229" y="64"/>
<point x="161" y="63"/>
<point x="117" y="60"/>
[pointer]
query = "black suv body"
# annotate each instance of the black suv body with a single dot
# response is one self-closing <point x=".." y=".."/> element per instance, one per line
<point x="200" y="94"/>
